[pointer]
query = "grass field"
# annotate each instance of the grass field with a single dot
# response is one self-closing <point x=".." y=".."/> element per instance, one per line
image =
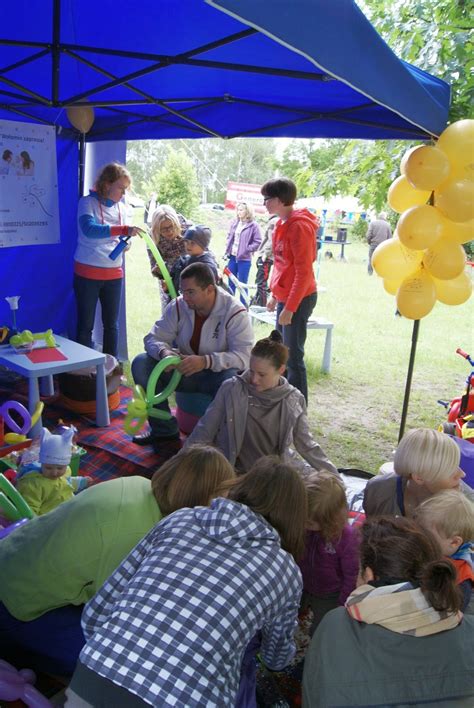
<point x="355" y="410"/>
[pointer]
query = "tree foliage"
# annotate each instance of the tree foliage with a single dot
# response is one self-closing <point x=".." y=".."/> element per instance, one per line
<point x="144" y="159"/>
<point x="215" y="162"/>
<point x="176" y="182"/>
<point x="436" y="37"/>
<point x="239" y="160"/>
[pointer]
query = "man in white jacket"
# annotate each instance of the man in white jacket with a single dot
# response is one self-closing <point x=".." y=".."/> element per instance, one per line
<point x="209" y="330"/>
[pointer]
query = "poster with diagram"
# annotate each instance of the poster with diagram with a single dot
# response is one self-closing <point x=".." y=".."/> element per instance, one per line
<point x="29" y="210"/>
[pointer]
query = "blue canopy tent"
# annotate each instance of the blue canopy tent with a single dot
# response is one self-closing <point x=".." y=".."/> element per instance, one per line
<point x="191" y="69"/>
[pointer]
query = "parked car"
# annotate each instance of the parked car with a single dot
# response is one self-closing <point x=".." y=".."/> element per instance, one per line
<point x="216" y="207"/>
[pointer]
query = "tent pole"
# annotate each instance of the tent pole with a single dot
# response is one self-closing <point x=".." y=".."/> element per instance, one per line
<point x="55" y="52"/>
<point x="82" y="161"/>
<point x="411" y="363"/>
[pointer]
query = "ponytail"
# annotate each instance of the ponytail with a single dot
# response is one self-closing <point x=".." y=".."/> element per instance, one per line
<point x="400" y="550"/>
<point x="438" y="584"/>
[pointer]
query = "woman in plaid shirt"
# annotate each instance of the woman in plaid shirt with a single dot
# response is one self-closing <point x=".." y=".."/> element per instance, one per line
<point x="166" y="232"/>
<point x="170" y="626"/>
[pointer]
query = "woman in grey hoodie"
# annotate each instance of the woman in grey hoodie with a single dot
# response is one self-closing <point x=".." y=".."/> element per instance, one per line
<point x="259" y="413"/>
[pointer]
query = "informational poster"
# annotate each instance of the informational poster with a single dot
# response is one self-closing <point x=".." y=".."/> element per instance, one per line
<point x="29" y="210"/>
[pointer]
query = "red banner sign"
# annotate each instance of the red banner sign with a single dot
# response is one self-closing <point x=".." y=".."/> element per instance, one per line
<point x="248" y="193"/>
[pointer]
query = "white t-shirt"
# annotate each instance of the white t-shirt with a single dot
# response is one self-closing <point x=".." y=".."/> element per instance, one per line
<point x="238" y="231"/>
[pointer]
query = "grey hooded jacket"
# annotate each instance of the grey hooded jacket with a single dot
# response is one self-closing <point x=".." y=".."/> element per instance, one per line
<point x="224" y="425"/>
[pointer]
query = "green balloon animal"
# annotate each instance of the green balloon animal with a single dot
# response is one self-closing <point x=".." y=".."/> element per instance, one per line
<point x="141" y="407"/>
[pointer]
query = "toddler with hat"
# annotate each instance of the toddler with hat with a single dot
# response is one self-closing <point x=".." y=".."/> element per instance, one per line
<point x="47" y="483"/>
<point x="196" y="244"/>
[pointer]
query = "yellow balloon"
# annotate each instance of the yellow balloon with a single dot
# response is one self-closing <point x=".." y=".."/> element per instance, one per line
<point x="456" y="201"/>
<point x="402" y="196"/>
<point x="457" y="142"/>
<point x="37" y="413"/>
<point x="458" y="233"/>
<point x="427" y="167"/>
<point x="81" y="117"/>
<point x="416" y="296"/>
<point x="391" y="286"/>
<point x="420" y="227"/>
<point x="454" y="291"/>
<point x="405" y="157"/>
<point x="393" y="261"/>
<point x="445" y="260"/>
<point x="14" y="438"/>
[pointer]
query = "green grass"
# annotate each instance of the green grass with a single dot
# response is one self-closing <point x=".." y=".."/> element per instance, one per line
<point x="355" y="410"/>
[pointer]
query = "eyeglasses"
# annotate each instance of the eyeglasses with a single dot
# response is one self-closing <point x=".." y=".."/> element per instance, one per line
<point x="267" y="199"/>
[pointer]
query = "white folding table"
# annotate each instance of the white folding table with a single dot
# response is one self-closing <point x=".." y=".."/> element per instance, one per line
<point x="262" y="314"/>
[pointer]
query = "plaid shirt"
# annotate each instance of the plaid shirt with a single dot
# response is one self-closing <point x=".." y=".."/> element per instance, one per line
<point x="172" y="622"/>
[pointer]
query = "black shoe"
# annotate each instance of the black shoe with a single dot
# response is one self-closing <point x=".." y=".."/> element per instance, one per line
<point x="144" y="439"/>
<point x="166" y="441"/>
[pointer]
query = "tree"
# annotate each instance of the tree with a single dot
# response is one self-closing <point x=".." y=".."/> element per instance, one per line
<point x="176" y="183"/>
<point x="144" y="159"/>
<point x="304" y="161"/>
<point x="239" y="160"/>
<point x="436" y="37"/>
<point x="215" y="161"/>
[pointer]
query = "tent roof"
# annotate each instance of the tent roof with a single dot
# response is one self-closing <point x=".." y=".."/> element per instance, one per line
<point x="197" y="68"/>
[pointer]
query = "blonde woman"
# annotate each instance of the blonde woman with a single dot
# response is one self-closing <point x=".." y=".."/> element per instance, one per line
<point x="243" y="240"/>
<point x="166" y="233"/>
<point x="426" y="462"/>
<point x="101" y="220"/>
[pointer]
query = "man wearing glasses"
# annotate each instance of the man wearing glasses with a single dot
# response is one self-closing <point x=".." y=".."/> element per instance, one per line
<point x="212" y="334"/>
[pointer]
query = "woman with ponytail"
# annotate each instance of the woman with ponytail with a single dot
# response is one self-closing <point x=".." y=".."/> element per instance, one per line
<point x="259" y="413"/>
<point x="401" y="639"/>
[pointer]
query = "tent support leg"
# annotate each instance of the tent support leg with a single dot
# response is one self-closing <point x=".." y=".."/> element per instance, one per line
<point x="406" y="399"/>
<point x="82" y="161"/>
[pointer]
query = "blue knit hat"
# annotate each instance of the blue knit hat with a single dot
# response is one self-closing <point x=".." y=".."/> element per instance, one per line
<point x="199" y="234"/>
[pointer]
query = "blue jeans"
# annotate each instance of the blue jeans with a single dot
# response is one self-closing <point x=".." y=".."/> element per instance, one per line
<point x="294" y="337"/>
<point x="240" y="269"/>
<point x="203" y="382"/>
<point x="51" y="643"/>
<point x="88" y="292"/>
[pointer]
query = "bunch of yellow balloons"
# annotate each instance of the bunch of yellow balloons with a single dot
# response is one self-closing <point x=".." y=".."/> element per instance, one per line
<point x="425" y="261"/>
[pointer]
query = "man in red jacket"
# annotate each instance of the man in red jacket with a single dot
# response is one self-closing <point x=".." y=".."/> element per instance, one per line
<point x="292" y="284"/>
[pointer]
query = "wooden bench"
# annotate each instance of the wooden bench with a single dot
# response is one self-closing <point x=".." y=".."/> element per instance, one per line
<point x="263" y="315"/>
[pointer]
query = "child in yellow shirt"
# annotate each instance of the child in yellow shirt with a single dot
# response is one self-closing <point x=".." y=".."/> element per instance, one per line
<point x="47" y="483"/>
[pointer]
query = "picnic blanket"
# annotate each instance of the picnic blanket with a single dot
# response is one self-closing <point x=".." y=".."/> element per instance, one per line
<point x="110" y="452"/>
